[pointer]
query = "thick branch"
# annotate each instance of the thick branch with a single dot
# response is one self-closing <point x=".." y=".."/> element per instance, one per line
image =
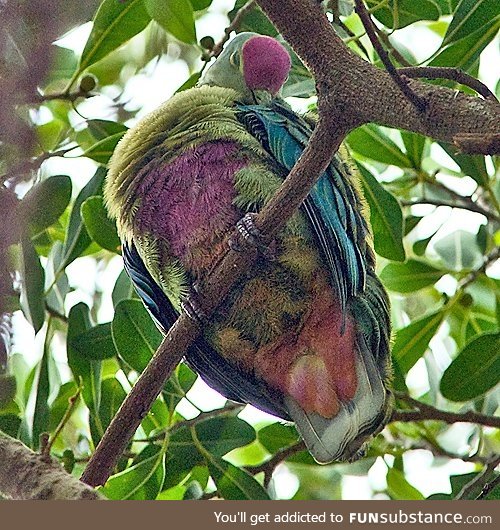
<point x="25" y="475"/>
<point x="345" y="81"/>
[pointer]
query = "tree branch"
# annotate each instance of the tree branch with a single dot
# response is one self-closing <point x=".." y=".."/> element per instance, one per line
<point x="345" y="81"/>
<point x="479" y="482"/>
<point x="467" y="205"/>
<point x="426" y="412"/>
<point x="24" y="475"/>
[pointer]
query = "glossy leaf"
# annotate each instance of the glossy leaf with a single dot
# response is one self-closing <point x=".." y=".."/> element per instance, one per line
<point x="253" y="20"/>
<point x="101" y="129"/>
<point x="98" y="224"/>
<point x="234" y="483"/>
<point x="415" y="147"/>
<point x="175" y="16"/>
<point x="141" y="481"/>
<point x="41" y="385"/>
<point x="473" y="166"/>
<point x="135" y="335"/>
<point x="464" y="53"/>
<point x="77" y="238"/>
<point x="277" y="436"/>
<point x="459" y="250"/>
<point x="470" y="16"/>
<point x="400" y="13"/>
<point x="123" y="289"/>
<point x="114" y="24"/>
<point x="88" y="371"/>
<point x="475" y="369"/>
<point x="385" y="216"/>
<point x="370" y="142"/>
<point x="102" y="150"/>
<point x="33" y="288"/>
<point x="399" y="488"/>
<point x="410" y="276"/>
<point x="61" y="404"/>
<point x="96" y="343"/>
<point x="199" y="5"/>
<point x="413" y="340"/>
<point x="111" y="397"/>
<point x="45" y="202"/>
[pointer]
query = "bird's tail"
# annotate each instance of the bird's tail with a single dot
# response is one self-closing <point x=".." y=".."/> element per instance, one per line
<point x="342" y="437"/>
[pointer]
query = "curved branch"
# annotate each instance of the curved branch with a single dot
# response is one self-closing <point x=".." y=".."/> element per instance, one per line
<point x="25" y="475"/>
<point x="345" y="81"/>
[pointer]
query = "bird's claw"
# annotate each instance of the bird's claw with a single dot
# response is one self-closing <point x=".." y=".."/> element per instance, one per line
<point x="253" y="236"/>
<point x="191" y="305"/>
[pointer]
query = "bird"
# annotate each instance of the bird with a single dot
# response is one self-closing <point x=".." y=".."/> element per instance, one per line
<point x="305" y="334"/>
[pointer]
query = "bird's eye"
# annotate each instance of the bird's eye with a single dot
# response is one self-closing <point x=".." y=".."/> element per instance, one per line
<point x="234" y="59"/>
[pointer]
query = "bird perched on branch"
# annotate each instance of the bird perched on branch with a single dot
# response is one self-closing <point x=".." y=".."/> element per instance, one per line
<point x="305" y="334"/>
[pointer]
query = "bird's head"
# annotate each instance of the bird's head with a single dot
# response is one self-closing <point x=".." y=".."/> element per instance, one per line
<point x="250" y="64"/>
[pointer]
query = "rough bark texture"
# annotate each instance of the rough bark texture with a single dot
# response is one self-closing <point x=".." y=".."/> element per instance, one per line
<point x="24" y="475"/>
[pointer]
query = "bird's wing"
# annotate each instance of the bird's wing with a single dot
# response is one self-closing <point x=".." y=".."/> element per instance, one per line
<point x="332" y="207"/>
<point x="214" y="369"/>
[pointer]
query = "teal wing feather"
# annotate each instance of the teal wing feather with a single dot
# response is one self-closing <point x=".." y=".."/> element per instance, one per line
<point x="332" y="206"/>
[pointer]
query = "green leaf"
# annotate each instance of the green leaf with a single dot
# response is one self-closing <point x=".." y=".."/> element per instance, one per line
<point x="88" y="371"/>
<point x="63" y="64"/>
<point x="253" y="20"/>
<point x="141" y="481"/>
<point x="385" y="216"/>
<point x="111" y="397"/>
<point x="410" y="276"/>
<point x="61" y="403"/>
<point x="199" y="5"/>
<point x="7" y="390"/>
<point x="101" y="129"/>
<point x="33" y="280"/>
<point x="470" y="16"/>
<point x="41" y="413"/>
<point x="234" y="483"/>
<point x="370" y="142"/>
<point x="400" y="13"/>
<point x="96" y="343"/>
<point x="473" y="166"/>
<point x="475" y="369"/>
<point x="415" y="146"/>
<point x="123" y="289"/>
<point x="412" y="341"/>
<point x="77" y="238"/>
<point x="102" y="150"/>
<point x="190" y="82"/>
<point x="115" y="22"/>
<point x="459" y="250"/>
<point x="9" y="424"/>
<point x="135" y="335"/>
<point x="464" y="53"/>
<point x="175" y="16"/>
<point x="400" y="489"/>
<point x="277" y="436"/>
<point x="42" y="206"/>
<point x="99" y="226"/>
<point x="178" y="385"/>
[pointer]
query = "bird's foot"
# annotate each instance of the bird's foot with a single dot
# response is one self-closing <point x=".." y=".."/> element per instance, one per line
<point x="191" y="305"/>
<point x="253" y="236"/>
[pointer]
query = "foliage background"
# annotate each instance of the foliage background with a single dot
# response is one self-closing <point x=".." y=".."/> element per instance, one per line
<point x="77" y="331"/>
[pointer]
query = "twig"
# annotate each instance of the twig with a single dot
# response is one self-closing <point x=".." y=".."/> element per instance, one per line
<point x="437" y="450"/>
<point x="471" y="206"/>
<point x="392" y="50"/>
<point x="231" y="408"/>
<point x="270" y="465"/>
<point x="479" y="481"/>
<point x="426" y="412"/>
<point x="454" y="74"/>
<point x="52" y="312"/>
<point x="488" y="260"/>
<point x="72" y="401"/>
<point x="62" y="96"/>
<point x="371" y="31"/>
<point x="235" y="24"/>
<point x="489" y="487"/>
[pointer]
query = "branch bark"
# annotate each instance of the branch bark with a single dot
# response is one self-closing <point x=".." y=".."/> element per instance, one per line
<point x="350" y="92"/>
<point x="347" y="82"/>
<point x="25" y="475"/>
